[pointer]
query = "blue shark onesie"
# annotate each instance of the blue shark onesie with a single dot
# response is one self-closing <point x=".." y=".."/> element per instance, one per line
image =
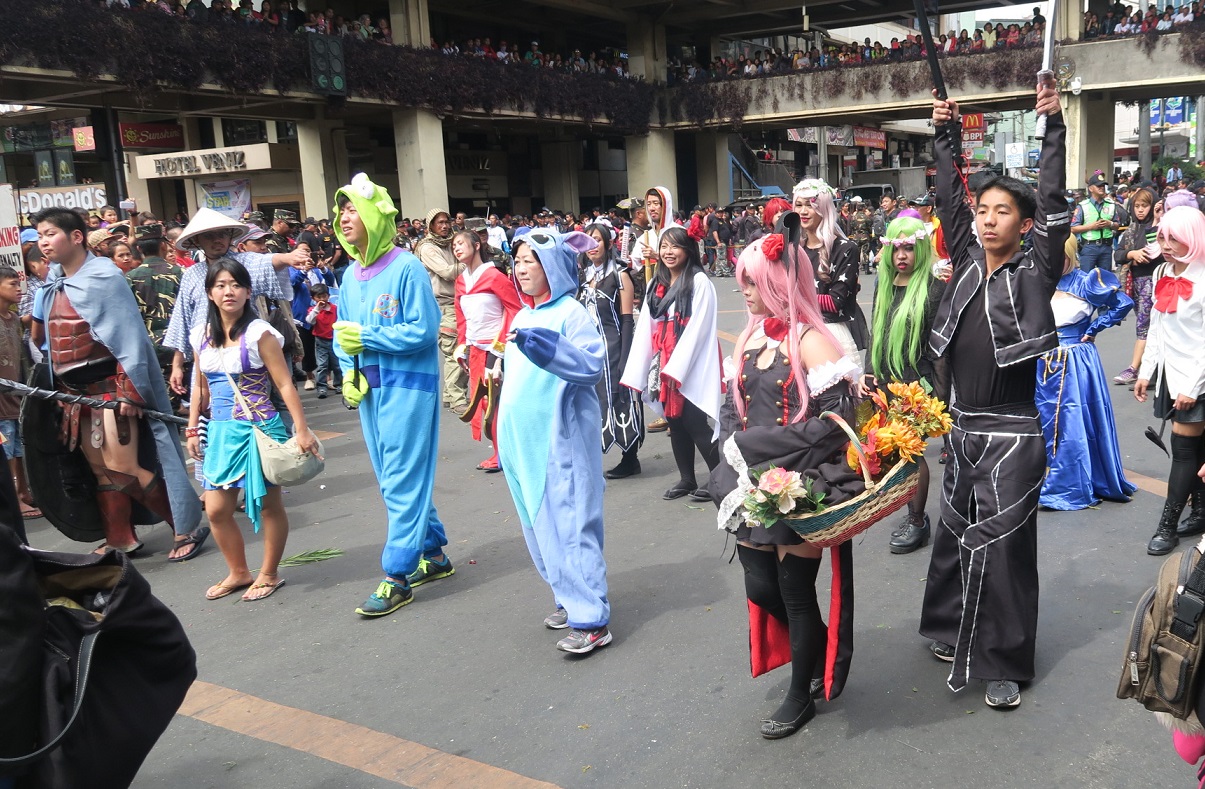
<point x="388" y="294"/>
<point x="548" y="423"/>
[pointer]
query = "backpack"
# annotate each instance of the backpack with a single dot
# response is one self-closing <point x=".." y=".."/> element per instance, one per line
<point x="1163" y="651"/>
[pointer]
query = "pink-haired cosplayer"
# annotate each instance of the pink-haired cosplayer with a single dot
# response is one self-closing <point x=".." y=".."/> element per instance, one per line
<point x="834" y="259"/>
<point x="1173" y="370"/>
<point x="788" y="369"/>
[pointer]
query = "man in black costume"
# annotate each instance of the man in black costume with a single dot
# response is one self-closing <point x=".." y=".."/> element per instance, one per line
<point x="981" y="599"/>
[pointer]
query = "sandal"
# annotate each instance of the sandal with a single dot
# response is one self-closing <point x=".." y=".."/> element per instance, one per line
<point x="129" y="550"/>
<point x="29" y="512"/>
<point x="270" y="587"/>
<point x="222" y="590"/>
<point x="196" y="538"/>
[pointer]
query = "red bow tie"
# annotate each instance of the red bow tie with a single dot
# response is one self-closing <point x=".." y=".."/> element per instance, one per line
<point x="1169" y="291"/>
<point x="774" y="329"/>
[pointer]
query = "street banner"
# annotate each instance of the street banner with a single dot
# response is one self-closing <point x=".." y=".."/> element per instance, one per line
<point x="229" y="198"/>
<point x="10" y="232"/>
<point x="44" y="165"/>
<point x="64" y="168"/>
<point x="870" y="138"/>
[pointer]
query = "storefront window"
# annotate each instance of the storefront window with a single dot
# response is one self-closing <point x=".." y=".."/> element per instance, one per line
<point x="243" y="132"/>
<point x="286" y="131"/>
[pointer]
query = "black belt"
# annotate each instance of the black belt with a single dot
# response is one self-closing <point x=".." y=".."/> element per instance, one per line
<point x="1100" y="241"/>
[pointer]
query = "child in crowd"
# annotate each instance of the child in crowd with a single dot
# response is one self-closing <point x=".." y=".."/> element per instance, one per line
<point x="10" y="368"/>
<point x="321" y="320"/>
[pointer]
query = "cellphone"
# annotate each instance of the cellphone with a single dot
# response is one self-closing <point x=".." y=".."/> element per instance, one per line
<point x="127" y="205"/>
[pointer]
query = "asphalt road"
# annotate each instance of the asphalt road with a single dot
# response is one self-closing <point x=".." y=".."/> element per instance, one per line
<point x="469" y="670"/>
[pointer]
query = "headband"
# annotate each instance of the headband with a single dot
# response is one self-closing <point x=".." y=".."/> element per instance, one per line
<point x="812" y="187"/>
<point x="900" y="241"/>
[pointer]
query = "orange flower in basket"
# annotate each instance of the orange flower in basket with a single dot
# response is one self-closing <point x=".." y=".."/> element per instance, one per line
<point x="909" y="445"/>
<point x="869" y="446"/>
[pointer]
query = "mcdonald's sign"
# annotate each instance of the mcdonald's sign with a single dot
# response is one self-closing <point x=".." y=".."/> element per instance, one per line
<point x="972" y="129"/>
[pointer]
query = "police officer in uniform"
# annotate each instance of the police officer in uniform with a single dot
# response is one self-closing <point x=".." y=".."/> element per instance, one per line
<point x="285" y="225"/>
<point x="861" y="223"/>
<point x="1096" y="221"/>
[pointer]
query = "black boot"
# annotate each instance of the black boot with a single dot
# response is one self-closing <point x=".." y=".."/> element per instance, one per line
<point x="1194" y="524"/>
<point x="912" y="535"/>
<point x="629" y="466"/>
<point x="1165" y="539"/>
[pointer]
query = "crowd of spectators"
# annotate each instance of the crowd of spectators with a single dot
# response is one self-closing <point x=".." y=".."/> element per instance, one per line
<point x="1125" y="20"/>
<point x="275" y="16"/>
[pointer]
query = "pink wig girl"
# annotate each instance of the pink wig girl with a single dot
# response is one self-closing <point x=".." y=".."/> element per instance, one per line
<point x="1186" y="225"/>
<point x="821" y="197"/>
<point x="784" y="280"/>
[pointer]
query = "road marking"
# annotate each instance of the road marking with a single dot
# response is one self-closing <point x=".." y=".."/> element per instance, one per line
<point x="324" y="435"/>
<point x="1149" y="484"/>
<point x="360" y="748"/>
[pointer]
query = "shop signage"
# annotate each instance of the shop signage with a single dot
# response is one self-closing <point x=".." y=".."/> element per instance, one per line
<point x="84" y="139"/>
<point x="10" y="233"/>
<point x="972" y="129"/>
<point x="806" y="134"/>
<point x="839" y="135"/>
<point x="870" y="138"/>
<point x="228" y="198"/>
<point x="218" y="161"/>
<point x="476" y="163"/>
<point x="151" y="135"/>
<point x="89" y="197"/>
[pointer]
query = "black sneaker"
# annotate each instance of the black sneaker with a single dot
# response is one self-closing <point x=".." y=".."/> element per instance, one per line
<point x="557" y="620"/>
<point x="579" y="642"/>
<point x="942" y="651"/>
<point x="322" y="393"/>
<point x="1003" y="694"/>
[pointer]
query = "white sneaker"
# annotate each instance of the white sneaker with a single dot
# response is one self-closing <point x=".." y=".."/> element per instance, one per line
<point x="310" y="386"/>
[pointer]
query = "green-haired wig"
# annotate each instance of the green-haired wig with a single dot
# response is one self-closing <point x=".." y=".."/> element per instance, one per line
<point x="897" y="339"/>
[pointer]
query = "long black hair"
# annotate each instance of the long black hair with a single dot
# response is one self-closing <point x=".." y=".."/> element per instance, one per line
<point x="217" y="333"/>
<point x="608" y="239"/>
<point x="681" y="294"/>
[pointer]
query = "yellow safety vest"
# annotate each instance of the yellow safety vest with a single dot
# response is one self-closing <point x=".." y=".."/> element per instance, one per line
<point x="1091" y="214"/>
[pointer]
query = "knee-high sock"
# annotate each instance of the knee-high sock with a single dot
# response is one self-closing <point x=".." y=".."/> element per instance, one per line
<point x="761" y="580"/>
<point x="797" y="585"/>
<point x="1183" y="477"/>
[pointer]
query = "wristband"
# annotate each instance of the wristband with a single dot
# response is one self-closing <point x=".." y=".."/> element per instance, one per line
<point x="192" y="432"/>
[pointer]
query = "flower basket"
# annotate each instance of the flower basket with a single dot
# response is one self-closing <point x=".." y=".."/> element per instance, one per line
<point x="840" y="522"/>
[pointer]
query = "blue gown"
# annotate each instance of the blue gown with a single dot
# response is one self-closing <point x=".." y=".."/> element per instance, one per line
<point x="1082" y="454"/>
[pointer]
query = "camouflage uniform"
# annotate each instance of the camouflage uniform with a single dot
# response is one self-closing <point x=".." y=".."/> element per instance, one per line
<point x="155" y="284"/>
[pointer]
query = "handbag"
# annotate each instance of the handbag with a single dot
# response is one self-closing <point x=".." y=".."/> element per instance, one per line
<point x="113" y="667"/>
<point x="284" y="465"/>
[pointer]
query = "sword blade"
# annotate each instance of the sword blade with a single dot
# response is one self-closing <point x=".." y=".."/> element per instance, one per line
<point x="1039" y="129"/>
<point x="24" y="390"/>
<point x="926" y="34"/>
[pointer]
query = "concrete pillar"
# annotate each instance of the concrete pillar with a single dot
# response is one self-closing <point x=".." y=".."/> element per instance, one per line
<point x="1068" y="21"/>
<point x="562" y="190"/>
<point x="1089" y="137"/>
<point x="1144" y="137"/>
<point x="651" y="163"/>
<point x="714" y="168"/>
<point x="410" y="22"/>
<point x="1200" y="154"/>
<point x="646" y="51"/>
<point x="219" y="134"/>
<point x="192" y="141"/>
<point x="323" y="165"/>
<point x="822" y="154"/>
<point x="421" y="168"/>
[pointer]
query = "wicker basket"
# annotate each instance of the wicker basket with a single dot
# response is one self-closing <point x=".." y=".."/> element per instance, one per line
<point x="834" y="525"/>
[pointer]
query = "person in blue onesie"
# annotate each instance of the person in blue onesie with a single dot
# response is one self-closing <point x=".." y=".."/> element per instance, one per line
<point x="548" y="423"/>
<point x="387" y="348"/>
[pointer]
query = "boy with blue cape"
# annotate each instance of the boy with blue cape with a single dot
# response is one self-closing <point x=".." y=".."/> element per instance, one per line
<point x="387" y="348"/>
<point x="548" y="423"/>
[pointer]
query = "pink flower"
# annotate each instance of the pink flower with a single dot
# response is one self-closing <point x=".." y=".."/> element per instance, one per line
<point x="776" y="481"/>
